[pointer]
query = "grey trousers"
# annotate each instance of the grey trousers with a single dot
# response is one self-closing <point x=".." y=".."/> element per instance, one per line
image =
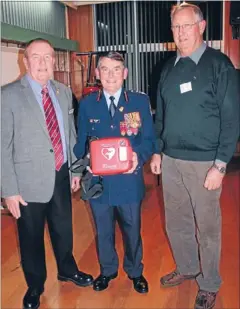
<point x="193" y="220"/>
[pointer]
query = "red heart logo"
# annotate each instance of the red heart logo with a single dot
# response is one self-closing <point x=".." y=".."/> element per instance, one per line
<point x="108" y="153"/>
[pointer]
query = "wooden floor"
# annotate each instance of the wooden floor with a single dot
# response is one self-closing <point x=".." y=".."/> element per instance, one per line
<point x="157" y="260"/>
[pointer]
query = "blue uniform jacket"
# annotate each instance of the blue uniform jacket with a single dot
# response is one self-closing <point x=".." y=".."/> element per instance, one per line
<point x="94" y="120"/>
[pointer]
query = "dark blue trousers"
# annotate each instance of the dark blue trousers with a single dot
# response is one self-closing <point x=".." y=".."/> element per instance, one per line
<point x="130" y="223"/>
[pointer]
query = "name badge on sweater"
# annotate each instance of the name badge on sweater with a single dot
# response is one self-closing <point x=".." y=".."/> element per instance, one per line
<point x="186" y="87"/>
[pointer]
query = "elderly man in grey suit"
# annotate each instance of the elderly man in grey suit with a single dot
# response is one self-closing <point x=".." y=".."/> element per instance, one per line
<point x="38" y="136"/>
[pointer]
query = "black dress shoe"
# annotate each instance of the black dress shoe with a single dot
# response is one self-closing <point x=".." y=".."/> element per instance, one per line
<point x="101" y="282"/>
<point x="140" y="284"/>
<point x="80" y="279"/>
<point x="31" y="299"/>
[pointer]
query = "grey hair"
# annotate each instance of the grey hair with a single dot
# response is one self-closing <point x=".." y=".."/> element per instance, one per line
<point x="111" y="55"/>
<point x="197" y="11"/>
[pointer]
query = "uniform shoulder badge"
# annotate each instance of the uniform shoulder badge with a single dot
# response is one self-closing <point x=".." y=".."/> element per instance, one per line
<point x="93" y="95"/>
<point x="137" y="92"/>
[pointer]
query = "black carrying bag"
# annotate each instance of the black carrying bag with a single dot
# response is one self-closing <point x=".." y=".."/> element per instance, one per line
<point x="81" y="167"/>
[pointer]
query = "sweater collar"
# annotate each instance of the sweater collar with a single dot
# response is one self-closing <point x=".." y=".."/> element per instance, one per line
<point x="196" y="55"/>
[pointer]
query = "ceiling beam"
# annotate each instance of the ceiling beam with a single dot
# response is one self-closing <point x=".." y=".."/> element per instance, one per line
<point x="74" y="4"/>
<point x="69" y="4"/>
<point x="89" y="2"/>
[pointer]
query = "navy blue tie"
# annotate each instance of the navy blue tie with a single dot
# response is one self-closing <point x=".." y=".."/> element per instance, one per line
<point x="112" y="107"/>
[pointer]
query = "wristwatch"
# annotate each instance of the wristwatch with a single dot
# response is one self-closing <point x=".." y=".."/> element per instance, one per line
<point x="221" y="169"/>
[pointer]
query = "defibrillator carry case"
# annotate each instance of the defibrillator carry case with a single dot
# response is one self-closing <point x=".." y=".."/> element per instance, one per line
<point x="110" y="156"/>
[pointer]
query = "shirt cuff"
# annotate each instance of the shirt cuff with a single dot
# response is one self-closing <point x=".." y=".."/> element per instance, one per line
<point x="220" y="162"/>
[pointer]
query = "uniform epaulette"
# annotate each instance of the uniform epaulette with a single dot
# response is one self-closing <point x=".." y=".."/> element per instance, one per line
<point x="137" y="92"/>
<point x="90" y="94"/>
<point x="94" y="92"/>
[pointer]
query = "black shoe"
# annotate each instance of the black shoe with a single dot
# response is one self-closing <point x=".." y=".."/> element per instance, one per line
<point x="205" y="300"/>
<point x="140" y="284"/>
<point x="80" y="279"/>
<point x="101" y="282"/>
<point x="31" y="299"/>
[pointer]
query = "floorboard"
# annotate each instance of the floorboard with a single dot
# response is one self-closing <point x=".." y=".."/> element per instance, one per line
<point x="157" y="260"/>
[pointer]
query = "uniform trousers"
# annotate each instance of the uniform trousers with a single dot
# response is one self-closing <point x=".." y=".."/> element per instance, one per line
<point x="58" y="214"/>
<point x="130" y="223"/>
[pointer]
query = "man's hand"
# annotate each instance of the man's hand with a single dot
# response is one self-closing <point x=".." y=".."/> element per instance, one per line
<point x="134" y="162"/>
<point x="75" y="184"/>
<point x="156" y="164"/>
<point x="213" y="179"/>
<point x="12" y="203"/>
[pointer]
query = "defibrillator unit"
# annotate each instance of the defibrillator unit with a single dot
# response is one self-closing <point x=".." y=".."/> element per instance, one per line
<point x="110" y="156"/>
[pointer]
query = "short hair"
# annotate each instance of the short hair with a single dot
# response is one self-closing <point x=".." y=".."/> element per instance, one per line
<point x="179" y="7"/>
<point x="111" y="55"/>
<point x="33" y="41"/>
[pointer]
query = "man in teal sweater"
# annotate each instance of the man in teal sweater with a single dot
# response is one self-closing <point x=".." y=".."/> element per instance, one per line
<point x="197" y="127"/>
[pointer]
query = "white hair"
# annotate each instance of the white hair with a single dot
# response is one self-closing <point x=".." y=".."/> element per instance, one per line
<point x="197" y="11"/>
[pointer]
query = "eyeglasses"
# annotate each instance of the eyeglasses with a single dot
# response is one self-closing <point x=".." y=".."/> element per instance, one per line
<point x="185" y="27"/>
<point x="114" y="71"/>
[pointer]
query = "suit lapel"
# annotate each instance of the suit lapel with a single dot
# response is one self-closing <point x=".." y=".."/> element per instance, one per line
<point x="33" y="104"/>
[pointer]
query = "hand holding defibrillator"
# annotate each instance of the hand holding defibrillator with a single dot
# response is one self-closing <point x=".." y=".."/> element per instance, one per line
<point x="134" y="163"/>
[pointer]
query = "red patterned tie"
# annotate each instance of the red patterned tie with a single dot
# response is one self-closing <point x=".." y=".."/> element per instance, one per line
<point x="53" y="128"/>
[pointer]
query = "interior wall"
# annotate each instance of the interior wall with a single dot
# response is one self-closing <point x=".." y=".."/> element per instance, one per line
<point x="231" y="47"/>
<point x="42" y="16"/>
<point x="81" y="28"/>
<point x="12" y="67"/>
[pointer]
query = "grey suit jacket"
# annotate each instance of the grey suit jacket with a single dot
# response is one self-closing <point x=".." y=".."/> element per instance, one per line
<point x="28" y="166"/>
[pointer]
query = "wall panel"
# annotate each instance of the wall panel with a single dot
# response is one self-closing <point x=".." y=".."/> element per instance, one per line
<point x="81" y="30"/>
<point x="12" y="67"/>
<point x="231" y="47"/>
<point x="43" y="16"/>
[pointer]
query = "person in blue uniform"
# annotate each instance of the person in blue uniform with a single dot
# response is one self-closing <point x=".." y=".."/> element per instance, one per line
<point x="115" y="112"/>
